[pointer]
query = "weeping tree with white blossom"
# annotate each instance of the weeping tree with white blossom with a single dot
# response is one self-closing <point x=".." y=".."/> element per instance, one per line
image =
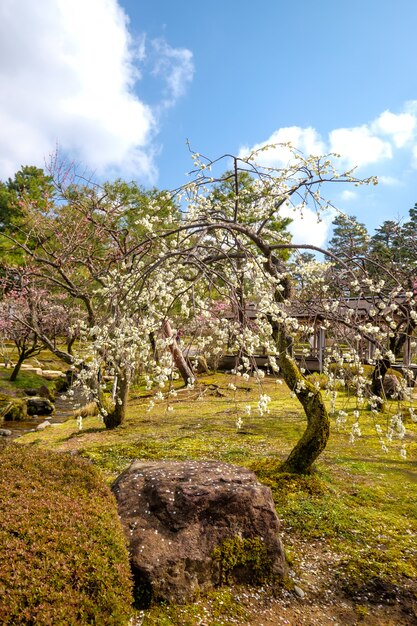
<point x="231" y="250"/>
<point x="228" y="245"/>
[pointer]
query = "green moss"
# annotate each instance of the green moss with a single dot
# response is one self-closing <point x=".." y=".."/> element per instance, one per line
<point x="115" y="458"/>
<point x="63" y="558"/>
<point x="60" y="385"/>
<point x="224" y="606"/>
<point x="318" y="380"/>
<point x="12" y="409"/>
<point x="220" y="607"/>
<point x="283" y="484"/>
<point x="363" y="568"/>
<point x="361" y="611"/>
<point x="249" y="553"/>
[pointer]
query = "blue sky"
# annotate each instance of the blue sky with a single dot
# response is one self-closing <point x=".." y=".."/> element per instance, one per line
<point x="120" y="86"/>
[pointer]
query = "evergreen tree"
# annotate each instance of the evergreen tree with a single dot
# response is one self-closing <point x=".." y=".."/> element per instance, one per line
<point x="30" y="183"/>
<point x="350" y="244"/>
<point x="409" y="239"/>
<point x="394" y="246"/>
<point x="350" y="238"/>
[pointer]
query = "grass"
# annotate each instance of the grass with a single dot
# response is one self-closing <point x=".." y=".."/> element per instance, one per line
<point x="360" y="504"/>
<point x="25" y="380"/>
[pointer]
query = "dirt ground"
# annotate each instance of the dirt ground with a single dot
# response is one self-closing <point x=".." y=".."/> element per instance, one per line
<point x="319" y="600"/>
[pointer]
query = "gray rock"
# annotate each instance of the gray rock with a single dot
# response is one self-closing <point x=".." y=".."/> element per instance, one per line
<point x="43" y="425"/>
<point x="43" y="392"/>
<point x="52" y="374"/>
<point x="39" y="406"/>
<point x="31" y="391"/>
<point x="299" y="592"/>
<point x="175" y="514"/>
<point x="5" y="432"/>
<point x="392" y="387"/>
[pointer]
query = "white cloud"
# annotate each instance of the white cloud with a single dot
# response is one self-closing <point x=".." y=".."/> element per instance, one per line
<point x="307" y="140"/>
<point x="306" y="228"/>
<point x="358" y="146"/>
<point x="389" y="181"/>
<point x="175" y="66"/>
<point x="401" y="127"/>
<point x="68" y="69"/>
<point x="347" y="194"/>
<point x="385" y="147"/>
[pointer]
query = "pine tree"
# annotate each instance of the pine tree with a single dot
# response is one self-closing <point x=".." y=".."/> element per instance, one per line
<point x="350" y="238"/>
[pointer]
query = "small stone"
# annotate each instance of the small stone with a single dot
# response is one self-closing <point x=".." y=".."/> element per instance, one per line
<point x="5" y="432"/>
<point x="299" y="592"/>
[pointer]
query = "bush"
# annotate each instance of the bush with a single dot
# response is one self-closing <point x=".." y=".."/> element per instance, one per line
<point x="63" y="559"/>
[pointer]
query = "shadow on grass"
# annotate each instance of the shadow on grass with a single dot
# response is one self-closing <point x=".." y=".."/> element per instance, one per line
<point x="399" y="466"/>
<point x="85" y="431"/>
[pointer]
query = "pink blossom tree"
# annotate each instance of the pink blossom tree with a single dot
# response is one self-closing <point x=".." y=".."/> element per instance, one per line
<point x="28" y="313"/>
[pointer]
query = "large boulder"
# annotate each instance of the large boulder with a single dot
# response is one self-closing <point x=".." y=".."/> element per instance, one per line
<point x="64" y="382"/>
<point x="194" y="525"/>
<point x="36" y="405"/>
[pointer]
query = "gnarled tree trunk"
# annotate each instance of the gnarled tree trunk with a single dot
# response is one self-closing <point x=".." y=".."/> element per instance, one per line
<point x="377" y="382"/>
<point x="315" y="436"/>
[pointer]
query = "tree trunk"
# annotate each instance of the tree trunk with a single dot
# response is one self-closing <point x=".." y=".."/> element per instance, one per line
<point x="65" y="356"/>
<point x="70" y="343"/>
<point x="377" y="382"/>
<point x="153" y="346"/>
<point x="179" y="359"/>
<point x="17" y="367"/>
<point x="314" y="439"/>
<point x="115" y="416"/>
<point x="316" y="435"/>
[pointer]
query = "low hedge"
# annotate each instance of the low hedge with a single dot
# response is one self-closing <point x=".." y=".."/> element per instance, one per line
<point x="63" y="558"/>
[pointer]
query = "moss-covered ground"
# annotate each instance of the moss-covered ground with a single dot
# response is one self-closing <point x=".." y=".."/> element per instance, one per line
<point x="350" y="529"/>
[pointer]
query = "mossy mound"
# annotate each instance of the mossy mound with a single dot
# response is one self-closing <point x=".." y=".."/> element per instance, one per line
<point x="12" y="409"/>
<point x="63" y="557"/>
